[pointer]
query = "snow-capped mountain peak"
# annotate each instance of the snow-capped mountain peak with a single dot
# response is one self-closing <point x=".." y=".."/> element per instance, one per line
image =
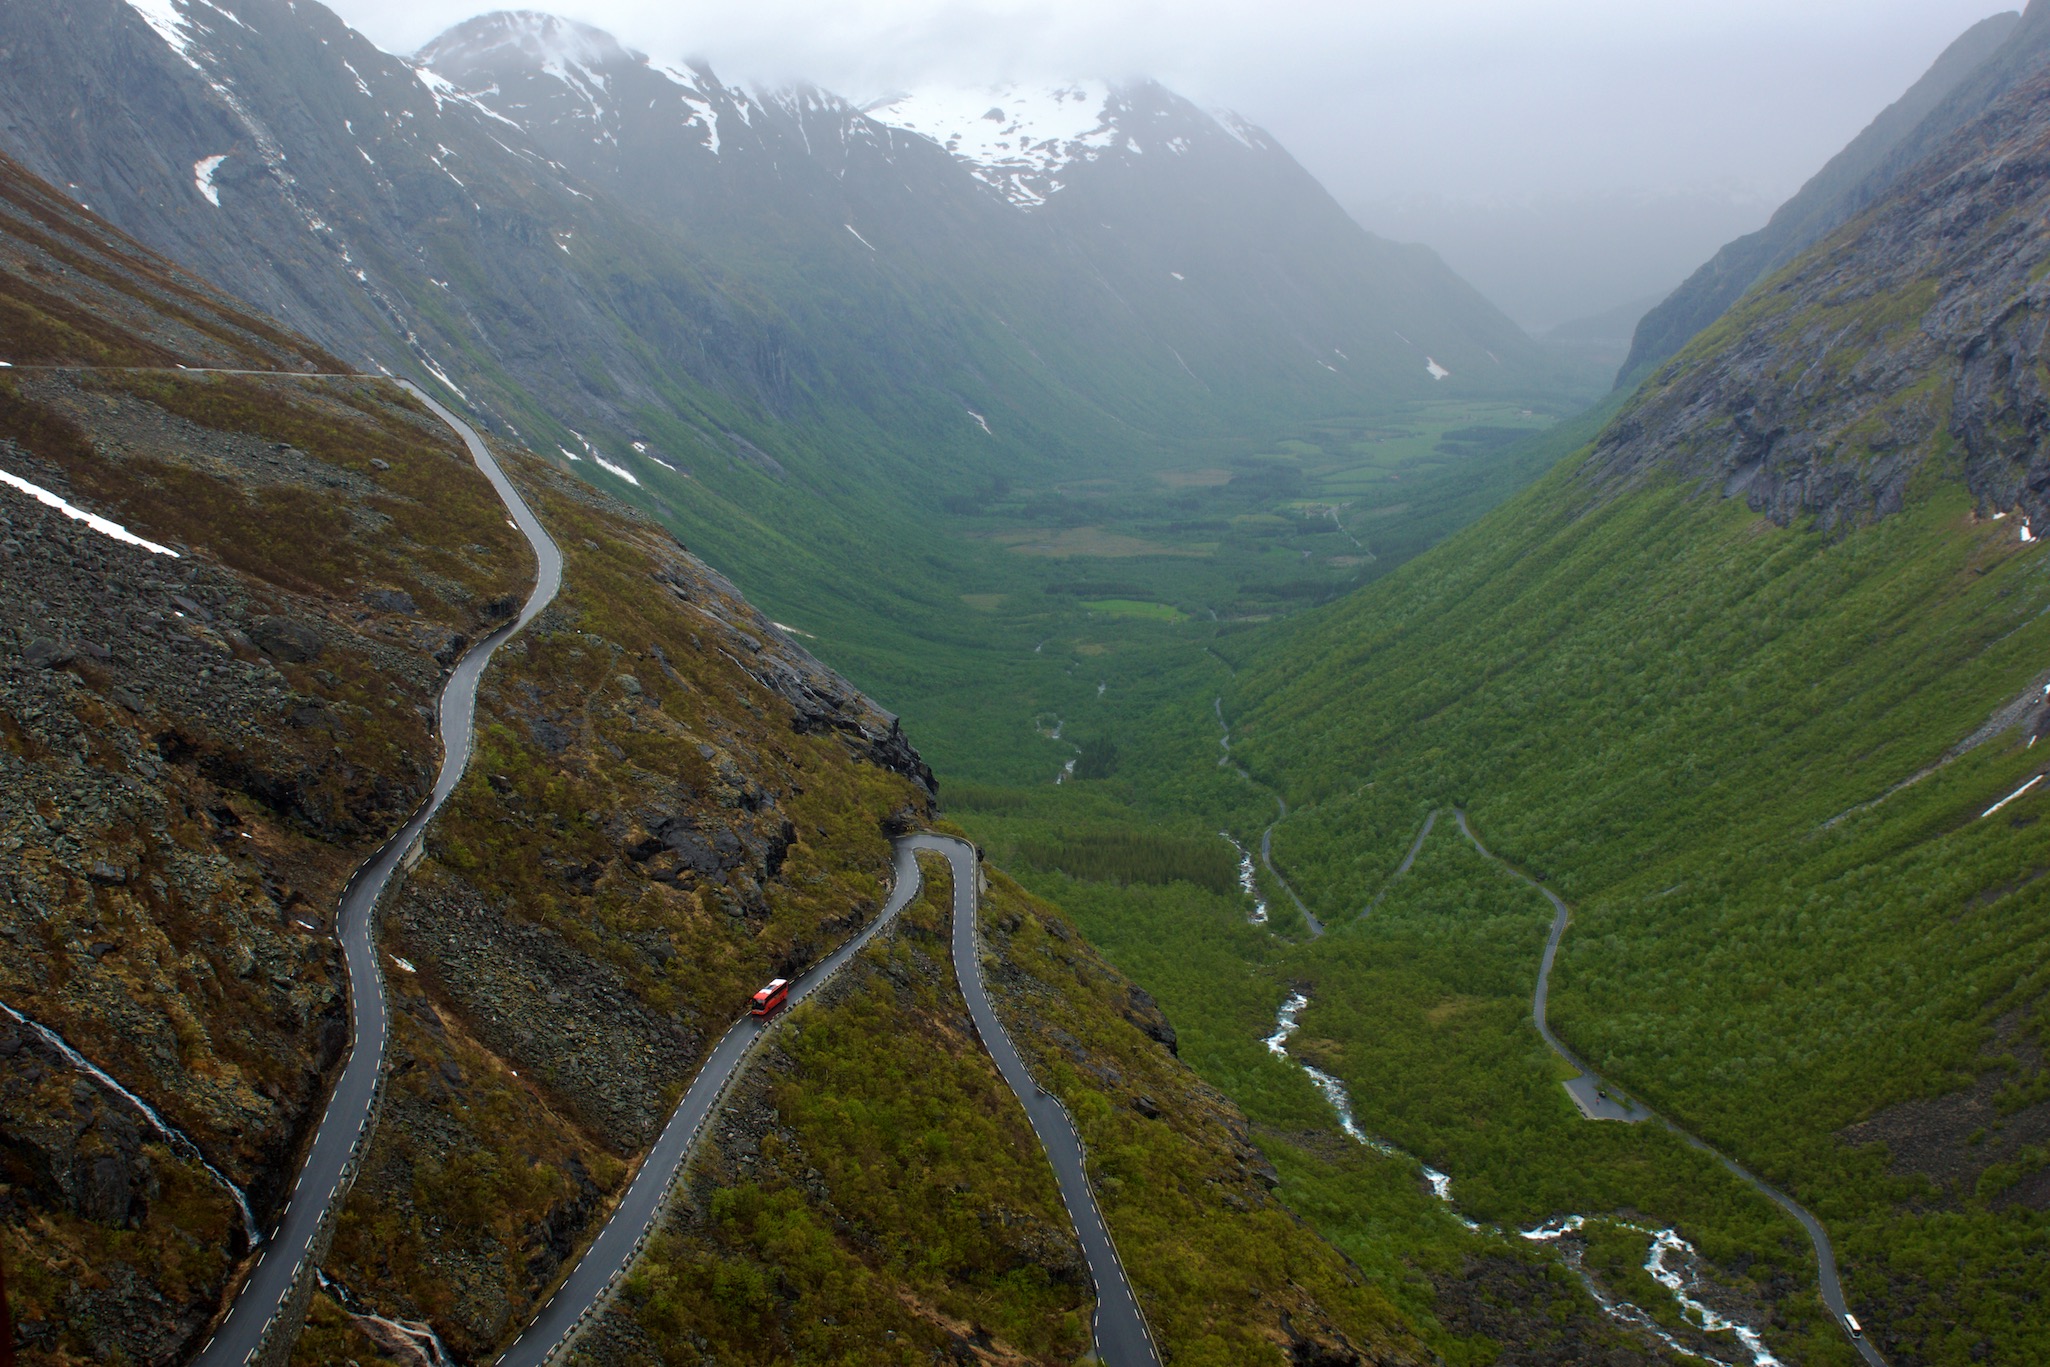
<point x="583" y="59"/>
<point x="1018" y="139"/>
<point x="545" y="41"/>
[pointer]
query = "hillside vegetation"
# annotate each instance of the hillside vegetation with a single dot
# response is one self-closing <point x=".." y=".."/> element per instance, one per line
<point x="1762" y="744"/>
<point x="1752" y="679"/>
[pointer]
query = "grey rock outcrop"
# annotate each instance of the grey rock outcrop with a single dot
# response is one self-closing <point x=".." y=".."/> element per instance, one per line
<point x="823" y="701"/>
<point x="1985" y="62"/>
<point x="1922" y="322"/>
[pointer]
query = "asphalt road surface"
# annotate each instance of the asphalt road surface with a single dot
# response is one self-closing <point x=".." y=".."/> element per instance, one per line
<point x="1120" y="1332"/>
<point x="323" y="1176"/>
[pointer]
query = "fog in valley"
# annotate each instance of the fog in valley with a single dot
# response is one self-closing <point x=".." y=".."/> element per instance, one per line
<point x="1570" y="159"/>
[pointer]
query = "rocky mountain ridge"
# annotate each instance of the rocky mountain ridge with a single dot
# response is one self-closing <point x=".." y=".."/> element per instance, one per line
<point x="1973" y="72"/>
<point x="1910" y="339"/>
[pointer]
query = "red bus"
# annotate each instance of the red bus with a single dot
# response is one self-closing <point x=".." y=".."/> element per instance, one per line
<point x="770" y="999"/>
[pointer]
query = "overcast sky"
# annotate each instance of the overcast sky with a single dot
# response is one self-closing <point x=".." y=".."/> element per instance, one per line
<point x="1462" y="98"/>
<point x="1567" y="156"/>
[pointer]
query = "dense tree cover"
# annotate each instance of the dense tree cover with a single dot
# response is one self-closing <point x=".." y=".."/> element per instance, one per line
<point x="1699" y="726"/>
<point x="1221" y="980"/>
<point x="1131" y="856"/>
<point x="1226" y="1275"/>
<point x="1695" y="724"/>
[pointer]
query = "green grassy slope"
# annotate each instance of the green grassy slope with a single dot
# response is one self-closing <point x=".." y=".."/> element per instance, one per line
<point x="1662" y="704"/>
<point x="1776" y="750"/>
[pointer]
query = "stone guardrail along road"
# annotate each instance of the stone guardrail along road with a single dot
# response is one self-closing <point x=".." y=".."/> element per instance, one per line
<point x="330" y="1161"/>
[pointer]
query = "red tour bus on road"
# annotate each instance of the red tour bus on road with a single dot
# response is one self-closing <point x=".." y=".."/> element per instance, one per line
<point x="770" y="999"/>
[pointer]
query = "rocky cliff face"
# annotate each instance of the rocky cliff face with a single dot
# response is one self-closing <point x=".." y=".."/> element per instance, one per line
<point x="1986" y="61"/>
<point x="1911" y="338"/>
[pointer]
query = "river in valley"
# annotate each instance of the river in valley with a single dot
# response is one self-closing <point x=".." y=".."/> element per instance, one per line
<point x="1672" y="1262"/>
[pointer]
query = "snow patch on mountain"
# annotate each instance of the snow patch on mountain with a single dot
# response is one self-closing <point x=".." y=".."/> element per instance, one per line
<point x="93" y="520"/>
<point x="1236" y="124"/>
<point x="171" y="24"/>
<point x="203" y="178"/>
<point x="1017" y="139"/>
<point x="703" y="112"/>
<point x="444" y="91"/>
<point x="175" y="24"/>
<point x="362" y="86"/>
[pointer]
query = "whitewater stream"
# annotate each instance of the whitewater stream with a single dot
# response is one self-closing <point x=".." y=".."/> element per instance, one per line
<point x="180" y="1143"/>
<point x="1067" y="770"/>
<point x="1671" y="1260"/>
<point x="1248" y="884"/>
<point x="1225" y="761"/>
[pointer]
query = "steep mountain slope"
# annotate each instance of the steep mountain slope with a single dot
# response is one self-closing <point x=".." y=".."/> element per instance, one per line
<point x="208" y="720"/>
<point x="1753" y="682"/>
<point x="1073" y="231"/>
<point x="796" y="332"/>
<point x="788" y="250"/>
<point x="1972" y="72"/>
<point x="215" y="701"/>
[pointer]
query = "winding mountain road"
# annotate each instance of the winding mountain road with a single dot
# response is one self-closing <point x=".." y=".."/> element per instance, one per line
<point x="583" y="1293"/>
<point x="1120" y="1333"/>
<point x="1597" y="1102"/>
<point x="1121" y="1337"/>
<point x="1408" y="859"/>
<point x="330" y="1161"/>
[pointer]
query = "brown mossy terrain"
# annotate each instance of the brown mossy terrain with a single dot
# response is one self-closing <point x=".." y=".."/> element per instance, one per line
<point x="667" y="806"/>
<point x="869" y="1192"/>
<point x="78" y="291"/>
<point x="333" y="1337"/>
<point x="100" y="1222"/>
<point x="1225" y="1273"/>
<point x="195" y="751"/>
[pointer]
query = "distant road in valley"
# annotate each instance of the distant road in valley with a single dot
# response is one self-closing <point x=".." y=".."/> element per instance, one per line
<point x="1598" y="1102"/>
